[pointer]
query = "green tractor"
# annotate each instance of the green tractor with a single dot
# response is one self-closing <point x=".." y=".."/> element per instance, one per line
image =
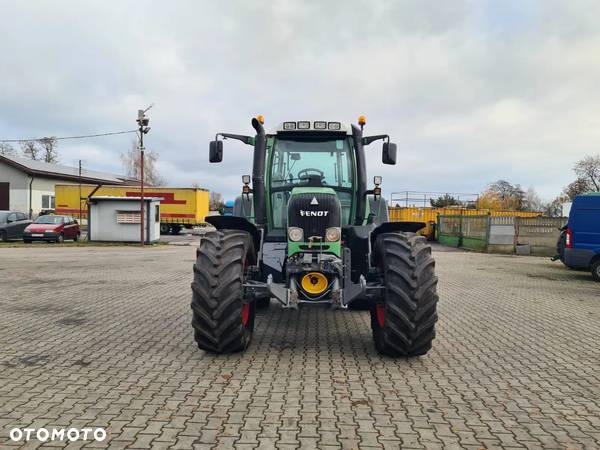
<point x="309" y="231"/>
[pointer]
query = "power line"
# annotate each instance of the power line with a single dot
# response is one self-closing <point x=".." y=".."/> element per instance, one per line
<point x="85" y="136"/>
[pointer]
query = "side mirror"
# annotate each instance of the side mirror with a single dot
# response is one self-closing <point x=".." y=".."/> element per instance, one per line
<point x="388" y="155"/>
<point x="215" y="152"/>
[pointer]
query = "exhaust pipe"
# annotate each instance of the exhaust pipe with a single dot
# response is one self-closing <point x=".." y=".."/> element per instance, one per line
<point x="258" y="173"/>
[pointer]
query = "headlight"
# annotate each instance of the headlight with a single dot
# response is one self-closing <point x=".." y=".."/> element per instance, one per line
<point x="295" y="234"/>
<point x="332" y="234"/>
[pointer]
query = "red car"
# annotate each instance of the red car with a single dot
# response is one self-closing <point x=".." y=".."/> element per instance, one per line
<point x="52" y="229"/>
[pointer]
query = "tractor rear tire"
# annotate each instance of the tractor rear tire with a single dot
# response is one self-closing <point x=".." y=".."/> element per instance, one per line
<point x="222" y="322"/>
<point x="404" y="324"/>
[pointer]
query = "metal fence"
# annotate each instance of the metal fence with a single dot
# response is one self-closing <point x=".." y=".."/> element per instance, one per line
<point x="464" y="231"/>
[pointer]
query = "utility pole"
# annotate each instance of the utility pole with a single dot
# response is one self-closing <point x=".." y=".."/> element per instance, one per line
<point x="79" y="192"/>
<point x="143" y="122"/>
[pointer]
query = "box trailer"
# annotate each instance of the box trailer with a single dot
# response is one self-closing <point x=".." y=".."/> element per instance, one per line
<point x="179" y="207"/>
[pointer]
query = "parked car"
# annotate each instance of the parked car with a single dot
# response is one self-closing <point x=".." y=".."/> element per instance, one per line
<point x="12" y="225"/>
<point x="581" y="237"/>
<point x="52" y="229"/>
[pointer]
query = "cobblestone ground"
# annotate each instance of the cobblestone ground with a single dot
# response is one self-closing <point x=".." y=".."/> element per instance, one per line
<point x="101" y="337"/>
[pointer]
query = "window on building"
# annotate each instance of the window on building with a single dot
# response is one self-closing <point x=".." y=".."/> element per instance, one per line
<point x="47" y="201"/>
<point x="128" y="217"/>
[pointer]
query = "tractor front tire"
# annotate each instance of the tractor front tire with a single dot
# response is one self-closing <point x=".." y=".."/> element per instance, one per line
<point x="222" y="322"/>
<point x="404" y="323"/>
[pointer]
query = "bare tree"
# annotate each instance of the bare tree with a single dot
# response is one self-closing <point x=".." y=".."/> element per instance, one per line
<point x="532" y="201"/>
<point x="577" y="187"/>
<point x="48" y="146"/>
<point x="216" y="202"/>
<point x="7" y="150"/>
<point x="555" y="207"/>
<point x="132" y="164"/>
<point x="506" y="195"/>
<point x="30" y="150"/>
<point x="588" y="169"/>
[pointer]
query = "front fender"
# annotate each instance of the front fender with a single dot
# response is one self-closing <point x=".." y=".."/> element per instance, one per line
<point x="390" y="227"/>
<point x="236" y="223"/>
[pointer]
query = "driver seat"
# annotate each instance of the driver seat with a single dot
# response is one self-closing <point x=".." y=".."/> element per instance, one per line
<point x="314" y="181"/>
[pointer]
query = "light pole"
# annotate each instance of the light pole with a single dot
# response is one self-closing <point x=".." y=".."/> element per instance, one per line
<point x="142" y="122"/>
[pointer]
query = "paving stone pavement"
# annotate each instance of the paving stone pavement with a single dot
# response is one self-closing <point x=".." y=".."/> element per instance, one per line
<point x="101" y="337"/>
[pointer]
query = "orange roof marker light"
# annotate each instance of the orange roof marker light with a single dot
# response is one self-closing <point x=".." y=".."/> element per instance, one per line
<point x="261" y="119"/>
<point x="362" y="120"/>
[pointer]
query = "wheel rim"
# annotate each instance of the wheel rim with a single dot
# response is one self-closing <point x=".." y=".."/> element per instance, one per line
<point x="380" y="313"/>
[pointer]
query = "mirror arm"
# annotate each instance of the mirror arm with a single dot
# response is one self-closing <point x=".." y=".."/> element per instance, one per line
<point x="248" y="140"/>
<point x="369" y="139"/>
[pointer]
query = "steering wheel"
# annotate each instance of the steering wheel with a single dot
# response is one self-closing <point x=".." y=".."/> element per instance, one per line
<point x="304" y="174"/>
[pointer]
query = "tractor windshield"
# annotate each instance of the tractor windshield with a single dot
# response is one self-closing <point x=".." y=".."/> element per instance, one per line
<point x="326" y="163"/>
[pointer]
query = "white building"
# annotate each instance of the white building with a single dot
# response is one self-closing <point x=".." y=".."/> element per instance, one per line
<point x="28" y="186"/>
<point x="117" y="219"/>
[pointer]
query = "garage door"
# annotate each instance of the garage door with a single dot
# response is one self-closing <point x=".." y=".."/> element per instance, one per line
<point x="4" y="196"/>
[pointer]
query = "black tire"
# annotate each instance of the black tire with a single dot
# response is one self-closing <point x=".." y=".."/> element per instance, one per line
<point x="404" y="324"/>
<point x="3" y="236"/>
<point x="60" y="239"/>
<point x="263" y="303"/>
<point x="222" y="322"/>
<point x="175" y="230"/>
<point x="26" y="241"/>
<point x="164" y="228"/>
<point x="77" y="237"/>
<point x="595" y="268"/>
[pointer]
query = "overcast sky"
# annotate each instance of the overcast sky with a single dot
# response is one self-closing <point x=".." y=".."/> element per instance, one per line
<point x="471" y="91"/>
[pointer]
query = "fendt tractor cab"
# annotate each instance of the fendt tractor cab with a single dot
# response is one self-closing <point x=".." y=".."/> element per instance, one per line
<point x="308" y="230"/>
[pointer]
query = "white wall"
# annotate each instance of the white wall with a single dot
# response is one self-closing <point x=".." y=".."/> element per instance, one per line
<point x="19" y="189"/>
<point x="103" y="224"/>
<point x="40" y="187"/>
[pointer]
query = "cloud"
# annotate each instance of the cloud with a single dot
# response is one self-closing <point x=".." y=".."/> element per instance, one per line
<point x="471" y="91"/>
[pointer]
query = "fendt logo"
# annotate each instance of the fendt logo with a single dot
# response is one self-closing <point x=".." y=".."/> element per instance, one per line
<point x="314" y="213"/>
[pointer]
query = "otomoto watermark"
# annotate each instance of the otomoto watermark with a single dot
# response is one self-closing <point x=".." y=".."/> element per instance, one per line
<point x="57" y="434"/>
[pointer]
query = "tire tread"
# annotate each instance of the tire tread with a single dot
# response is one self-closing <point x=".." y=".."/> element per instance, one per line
<point x="216" y="292"/>
<point x="408" y="270"/>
